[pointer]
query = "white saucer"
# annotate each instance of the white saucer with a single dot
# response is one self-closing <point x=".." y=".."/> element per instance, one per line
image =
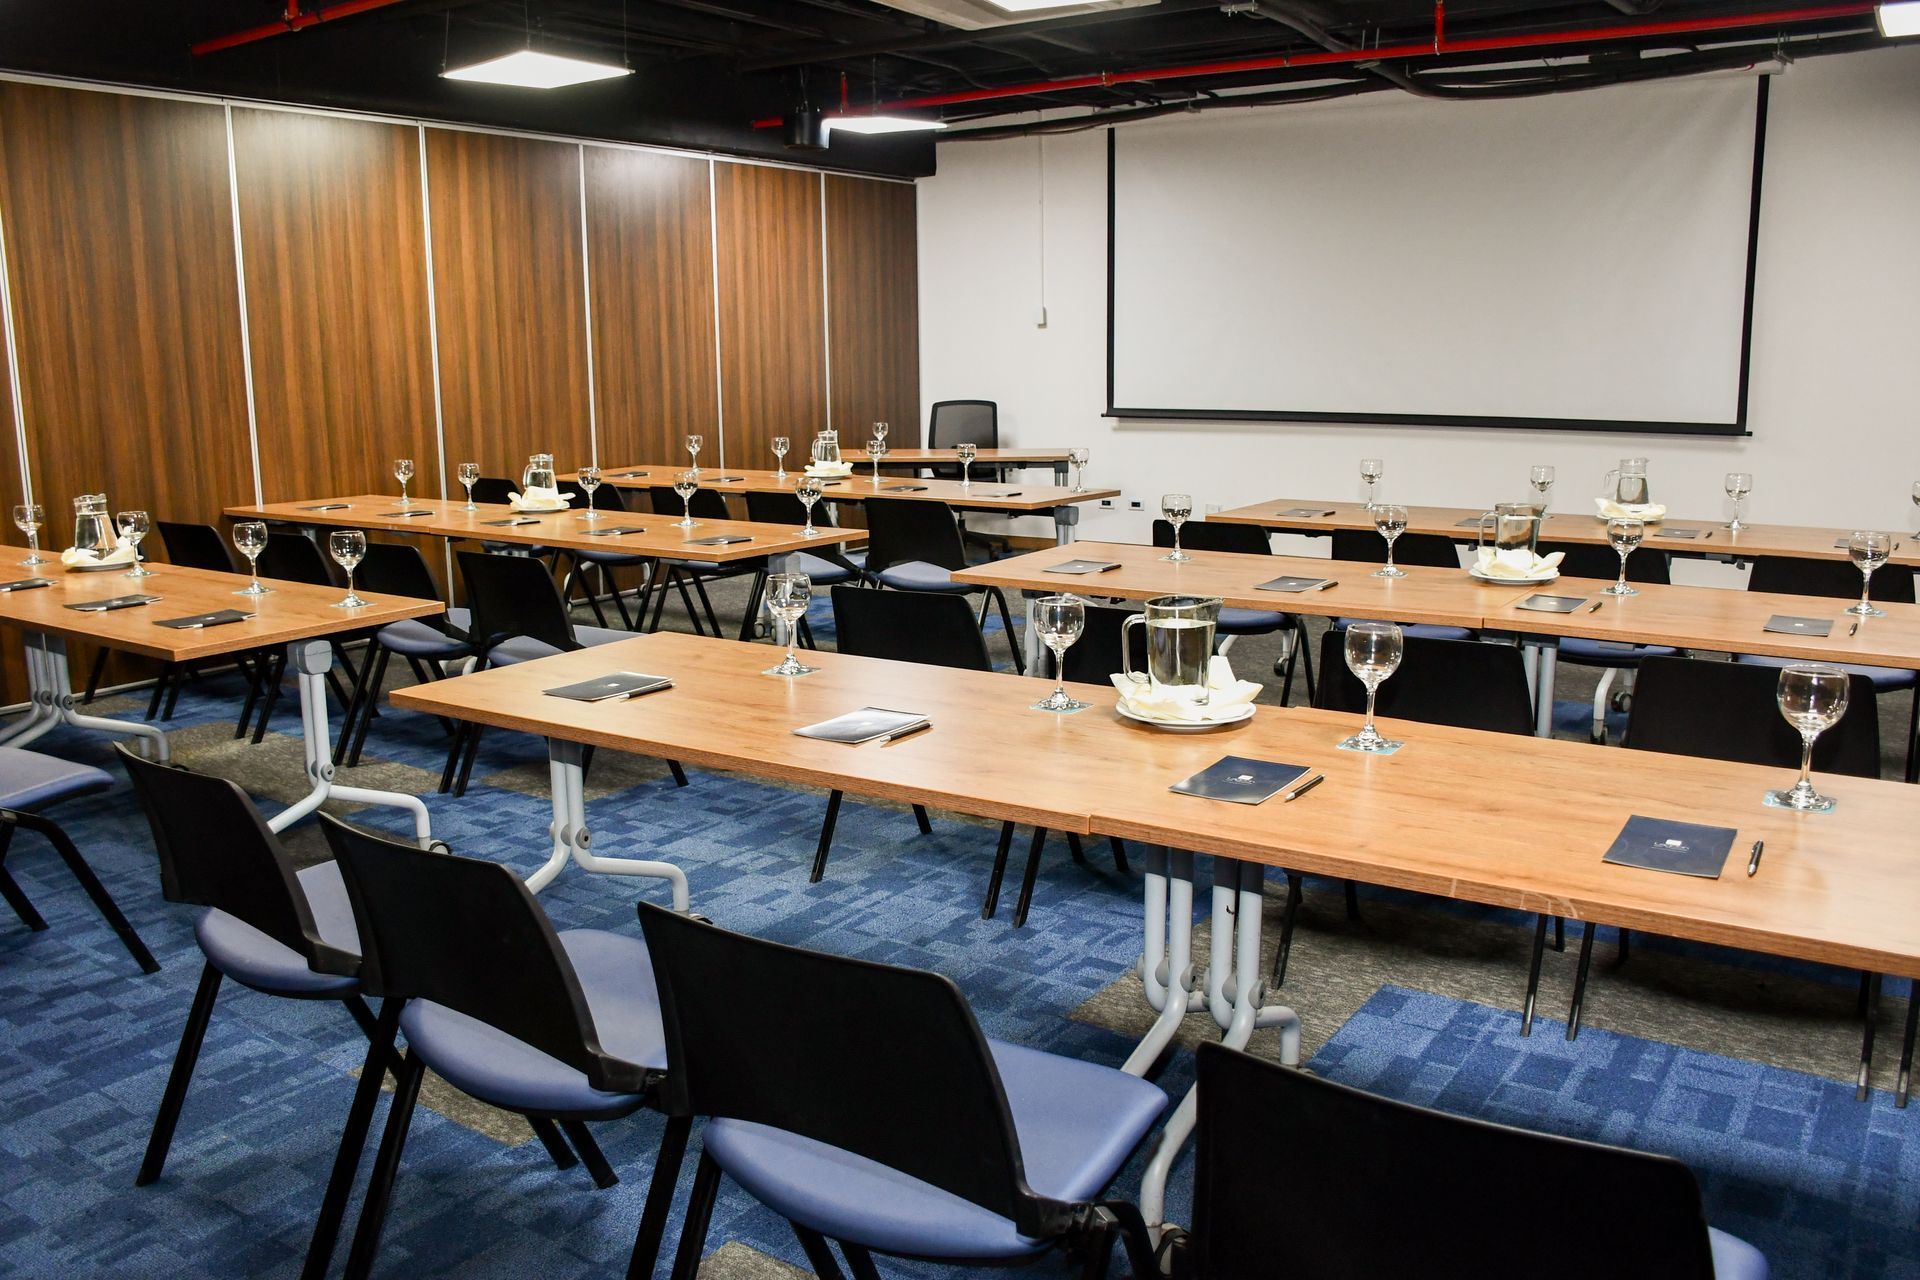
<point x="1185" y="726"/>
<point x="121" y="565"/>
<point x="1530" y="580"/>
<point x="541" y="507"/>
<point x="829" y="471"/>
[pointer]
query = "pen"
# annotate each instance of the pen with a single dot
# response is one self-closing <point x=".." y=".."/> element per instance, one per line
<point x="1706" y="535"/>
<point x="1304" y="787"/>
<point x="1753" y="863"/>
<point x="1330" y="582"/>
<point x="1855" y="628"/>
<point x="1595" y="605"/>
<point x="912" y="728"/>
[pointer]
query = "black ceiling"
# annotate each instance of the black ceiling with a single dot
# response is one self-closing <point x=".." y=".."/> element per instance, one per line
<point x="706" y="70"/>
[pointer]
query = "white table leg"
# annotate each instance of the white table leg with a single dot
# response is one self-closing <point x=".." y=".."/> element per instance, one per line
<point x="1548" y="650"/>
<point x="50" y="684"/>
<point x="1166" y="964"/>
<point x="571" y="839"/>
<point x="39" y="715"/>
<point x="1031" y="641"/>
<point x="312" y="659"/>
<point x="1065" y="517"/>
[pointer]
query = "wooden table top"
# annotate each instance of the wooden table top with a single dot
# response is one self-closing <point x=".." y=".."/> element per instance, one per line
<point x="982" y="495"/>
<point x="656" y="536"/>
<point x="981" y="457"/>
<point x="294" y="610"/>
<point x="1714" y="539"/>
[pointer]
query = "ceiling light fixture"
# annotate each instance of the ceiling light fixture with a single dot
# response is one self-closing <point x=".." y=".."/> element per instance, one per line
<point x="893" y="124"/>
<point x="526" y="69"/>
<point x="1901" y="18"/>
<point x="1031" y="6"/>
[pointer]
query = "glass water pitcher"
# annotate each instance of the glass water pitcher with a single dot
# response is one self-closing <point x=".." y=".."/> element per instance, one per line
<point x="826" y="448"/>
<point x="1626" y="484"/>
<point x="539" y="473"/>
<point x="1179" y="644"/>
<point x="92" y="525"/>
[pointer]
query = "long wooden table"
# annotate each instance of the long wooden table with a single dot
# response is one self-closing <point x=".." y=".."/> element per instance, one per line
<point x="293" y="614"/>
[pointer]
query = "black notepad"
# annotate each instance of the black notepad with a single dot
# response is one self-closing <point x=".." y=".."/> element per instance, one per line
<point x="719" y="540"/>
<point x="906" y="488"/>
<point x="25" y="584"/>
<point x="219" y="617"/>
<point x="1670" y="532"/>
<point x="1290" y="584"/>
<point x="1082" y="566"/>
<point x="403" y="515"/>
<point x="1538" y="603"/>
<point x="1307" y="511"/>
<point x="513" y="520"/>
<point x="620" y="684"/>
<point x="1787" y="624"/>
<point x="613" y="532"/>
<point x="329" y="506"/>
<point x="116" y="602"/>
<point x="1240" y="780"/>
<point x="728" y="479"/>
<point x="865" y="725"/>
<point x="1661" y="844"/>
<point x="629" y="475"/>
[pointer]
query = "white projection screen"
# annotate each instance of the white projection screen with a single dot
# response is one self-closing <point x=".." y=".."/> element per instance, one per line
<point x="1580" y="260"/>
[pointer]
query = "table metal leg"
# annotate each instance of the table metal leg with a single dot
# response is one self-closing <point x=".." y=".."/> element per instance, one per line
<point x="571" y="839"/>
<point x="1545" y="654"/>
<point x="312" y="659"/>
<point x="50" y="685"/>
<point x="1065" y="517"/>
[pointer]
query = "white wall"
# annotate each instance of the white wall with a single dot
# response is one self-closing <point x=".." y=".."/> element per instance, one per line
<point x="1835" y="392"/>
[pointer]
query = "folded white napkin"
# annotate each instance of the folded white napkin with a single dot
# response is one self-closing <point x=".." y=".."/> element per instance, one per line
<point x="122" y="553"/>
<point x="1516" y="562"/>
<point x="830" y="469"/>
<point x="1226" y="697"/>
<point x="537" y="498"/>
<point x="1611" y="510"/>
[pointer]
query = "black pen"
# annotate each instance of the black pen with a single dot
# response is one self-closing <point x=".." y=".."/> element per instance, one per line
<point x="1304" y="787"/>
<point x="912" y="728"/>
<point x="1595" y="605"/>
<point x="1753" y="863"/>
<point x="1330" y="582"/>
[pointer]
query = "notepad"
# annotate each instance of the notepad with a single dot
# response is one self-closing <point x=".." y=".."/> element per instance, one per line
<point x="194" y="622"/>
<point x="1661" y="844"/>
<point x="905" y="488"/>
<point x="614" y="532"/>
<point x="620" y="684"/>
<point x="1290" y="584"/>
<point x="1550" y="604"/>
<point x="1082" y="566"/>
<point x="25" y="584"/>
<point x="998" y="493"/>
<point x="402" y="515"/>
<point x="865" y="725"/>
<point x="719" y="540"/>
<point x="1307" y="511"/>
<point x="512" y="520"/>
<point x="115" y="602"/>
<point x="1788" y="625"/>
<point x="1678" y="533"/>
<point x="629" y="475"/>
<point x="1239" y="780"/>
<point x="330" y="506"/>
<point x="1471" y="522"/>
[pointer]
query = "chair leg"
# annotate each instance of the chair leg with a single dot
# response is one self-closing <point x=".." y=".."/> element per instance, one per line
<point x="860" y="1262"/>
<point x="467" y="759"/>
<point x="1559" y="933"/>
<point x="10" y="889"/>
<point x="693" y="1228"/>
<point x="183" y="1061"/>
<point x="1006" y="620"/>
<point x="1098" y="1245"/>
<point x="1032" y="873"/>
<point x="1906" y="1050"/>
<point x="992" y="903"/>
<point x="368" y="664"/>
<point x="270" y="699"/>
<point x="1353" y="901"/>
<point x="1601" y="693"/>
<point x="750" y="617"/>
<point x="1913" y="739"/>
<point x="370" y="701"/>
<point x="102" y="900"/>
<point x="679" y="774"/>
<point x="819" y="1257"/>
<point x="590" y="1154"/>
<point x="1866" y="1040"/>
<point x="1533" y="974"/>
<point x="1073" y="848"/>
<point x="174" y="687"/>
<point x="454" y="749"/>
<point x="653" y="1218"/>
<point x="1119" y="848"/>
<point x="353" y="1143"/>
<point x="94" y="675"/>
<point x="920" y="817"/>
<point x="706" y="604"/>
<point x="386" y="1165"/>
<point x="1621" y="957"/>
<point x="1580" y="981"/>
<point x="556" y="1146"/>
<point x="1134" y="1237"/>
<point x="1287" y="920"/>
<point x="160" y="683"/>
<point x="826" y="838"/>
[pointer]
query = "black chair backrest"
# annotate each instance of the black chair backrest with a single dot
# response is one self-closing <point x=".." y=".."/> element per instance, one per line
<point x="513" y="596"/>
<point x="900" y="530"/>
<point x="707" y="504"/>
<point x="196" y="546"/>
<point x="1805" y="576"/>
<point x="1400" y="1190"/>
<point x="1203" y="535"/>
<point x="495" y="489"/>
<point x="952" y="422"/>
<point x="1463" y="683"/>
<point x="466" y="933"/>
<point x="776" y="508"/>
<point x="216" y="851"/>
<point x="1431" y="550"/>
<point x="295" y="557"/>
<point x="1591" y="560"/>
<point x="1731" y="711"/>
<point x="909" y="626"/>
<point x="396" y="569"/>
<point x="883" y="1062"/>
<point x="1096" y="655"/>
<point x="605" y="497"/>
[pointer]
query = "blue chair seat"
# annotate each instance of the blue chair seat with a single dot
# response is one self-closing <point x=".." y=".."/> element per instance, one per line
<point x="1884" y="679"/>
<point x="918" y="575"/>
<point x="1734" y="1258"/>
<point x="1077" y="1123"/>
<point x="253" y="959"/>
<point x="487" y="1063"/>
<point x="412" y="638"/>
<point x="612" y="559"/>
<point x="30" y="780"/>
<point x="526" y="648"/>
<point x="1610" y="653"/>
<point x="824" y="572"/>
<point x="1428" y="630"/>
<point x="1249" y="622"/>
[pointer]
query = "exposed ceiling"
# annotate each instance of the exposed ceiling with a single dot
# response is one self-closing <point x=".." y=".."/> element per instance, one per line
<point x="708" y="70"/>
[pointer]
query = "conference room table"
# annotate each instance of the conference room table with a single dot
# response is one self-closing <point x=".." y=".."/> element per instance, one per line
<point x="1704" y="538"/>
<point x="297" y="615"/>
<point x="991" y="459"/>
<point x="1504" y="821"/>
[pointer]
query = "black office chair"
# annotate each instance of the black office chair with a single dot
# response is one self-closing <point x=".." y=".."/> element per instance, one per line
<point x="1248" y="540"/>
<point x="705" y="504"/>
<point x="886" y="1122"/>
<point x="1401" y="1190"/>
<point x="196" y="546"/>
<point x="428" y="644"/>
<point x="975" y="422"/>
<point x="1417" y="550"/>
<point x="600" y="567"/>
<point x="915" y="546"/>
<point x="1591" y="560"/>
<point x="829" y="567"/>
<point x="294" y="557"/>
<point x="1096" y="656"/>
<point x="494" y="489"/>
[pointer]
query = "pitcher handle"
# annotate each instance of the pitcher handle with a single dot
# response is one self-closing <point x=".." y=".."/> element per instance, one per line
<point x="1126" y="648"/>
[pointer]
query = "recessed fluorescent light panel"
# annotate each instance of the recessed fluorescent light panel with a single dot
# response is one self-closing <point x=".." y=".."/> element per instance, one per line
<point x="1901" y="19"/>
<point x="891" y="124"/>
<point x="526" y="69"/>
<point x="1030" y="6"/>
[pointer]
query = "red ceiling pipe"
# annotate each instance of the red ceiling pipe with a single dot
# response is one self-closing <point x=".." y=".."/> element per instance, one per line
<point x="296" y="19"/>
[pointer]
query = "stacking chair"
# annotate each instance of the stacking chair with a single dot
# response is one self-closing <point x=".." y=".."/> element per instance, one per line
<point x="1401" y="1190"/>
<point x="494" y="489"/>
<point x="427" y="644"/>
<point x="830" y="566"/>
<point x="706" y="504"/>
<point x="29" y="783"/>
<point x="1428" y="550"/>
<point x="293" y="557"/>
<point x="975" y="422"/>
<point x="560" y="1027"/>
<point x="1247" y="539"/>
<point x="915" y="546"/>
<point x="1590" y="560"/>
<point x="886" y="1121"/>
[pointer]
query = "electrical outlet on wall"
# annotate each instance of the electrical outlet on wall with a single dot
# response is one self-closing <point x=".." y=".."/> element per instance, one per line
<point x="1134" y="504"/>
<point x="1106" y="504"/>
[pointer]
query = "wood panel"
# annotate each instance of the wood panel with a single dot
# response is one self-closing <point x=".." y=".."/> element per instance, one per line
<point x="772" y="332"/>
<point x="873" y="307"/>
<point x="650" y="243"/>
<point x="509" y="281"/>
<point x="13" y="671"/>
<point x="335" y="249"/>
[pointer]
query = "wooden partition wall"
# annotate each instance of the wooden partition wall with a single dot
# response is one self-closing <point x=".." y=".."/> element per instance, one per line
<point x="211" y="303"/>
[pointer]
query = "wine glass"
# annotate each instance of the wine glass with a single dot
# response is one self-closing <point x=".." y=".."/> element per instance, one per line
<point x="694" y="444"/>
<point x="1813" y="697"/>
<point x="788" y="595"/>
<point x="469" y="475"/>
<point x="1059" y="621"/>
<point x="589" y="478"/>
<point x="780" y="446"/>
<point x="29" y="516"/>
<point x="807" y="489"/>
<point x="1625" y="534"/>
<point x="349" y="548"/>
<point x="250" y="537"/>
<point x="1391" y="521"/>
<point x="965" y="452"/>
<point x="880" y="432"/>
<point x="685" y="484"/>
<point x="1373" y="654"/>
<point x="403" y="472"/>
<point x="133" y="527"/>
<point x="1541" y="478"/>
<point x="1868" y="551"/>
<point x="1177" y="508"/>
<point x="1739" y="485"/>
<point x="1077" y="459"/>
<point x="877" y="449"/>
<point x="1371" y="469"/>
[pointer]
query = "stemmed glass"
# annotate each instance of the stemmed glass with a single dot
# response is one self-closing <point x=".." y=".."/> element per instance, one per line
<point x="29" y="516"/>
<point x="1058" y="621"/>
<point x="780" y="446"/>
<point x="1625" y="534"/>
<point x="349" y="548"/>
<point x="807" y="489"/>
<point x="1739" y="485"/>
<point x="1177" y="508"/>
<point x="965" y="452"/>
<point x="1813" y="697"/>
<point x="1541" y="478"/>
<point x="877" y="449"/>
<point x="469" y="475"/>
<point x="589" y="481"/>
<point x="1077" y="459"/>
<point x="1373" y="654"/>
<point x="1371" y="469"/>
<point x="788" y="595"/>
<point x="880" y="432"/>
<point x="685" y="484"/>
<point x="694" y="444"/>
<point x="250" y="536"/>
<point x="1391" y="521"/>
<point x="1868" y="552"/>
<point x="133" y="526"/>
<point x="403" y="472"/>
